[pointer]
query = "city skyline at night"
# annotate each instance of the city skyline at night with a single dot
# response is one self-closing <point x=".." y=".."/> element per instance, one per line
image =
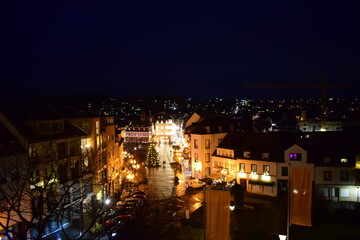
<point x="202" y="49"/>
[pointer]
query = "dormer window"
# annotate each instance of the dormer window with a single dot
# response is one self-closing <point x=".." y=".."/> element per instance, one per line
<point x="295" y="156"/>
<point x="343" y="160"/>
<point x="247" y="154"/>
<point x="44" y="128"/>
<point x="265" y="156"/>
<point x="57" y="127"/>
<point x="207" y="129"/>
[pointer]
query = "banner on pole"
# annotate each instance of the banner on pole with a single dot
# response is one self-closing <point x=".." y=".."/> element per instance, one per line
<point x="217" y="214"/>
<point x="300" y="196"/>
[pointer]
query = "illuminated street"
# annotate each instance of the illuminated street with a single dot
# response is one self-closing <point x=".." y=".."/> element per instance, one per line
<point x="162" y="187"/>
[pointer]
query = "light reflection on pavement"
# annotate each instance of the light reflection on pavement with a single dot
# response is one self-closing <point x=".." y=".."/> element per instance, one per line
<point x="162" y="187"/>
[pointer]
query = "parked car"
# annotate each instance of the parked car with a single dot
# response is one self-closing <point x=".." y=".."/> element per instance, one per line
<point x="139" y="196"/>
<point x="139" y="192"/>
<point x="118" y="215"/>
<point x="194" y="183"/>
<point x="133" y="206"/>
<point x="138" y="201"/>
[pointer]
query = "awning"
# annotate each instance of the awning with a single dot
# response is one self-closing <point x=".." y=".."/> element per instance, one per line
<point x="261" y="183"/>
<point x="214" y="176"/>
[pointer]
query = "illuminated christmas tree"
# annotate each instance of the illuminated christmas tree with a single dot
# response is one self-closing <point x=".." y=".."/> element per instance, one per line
<point x="152" y="157"/>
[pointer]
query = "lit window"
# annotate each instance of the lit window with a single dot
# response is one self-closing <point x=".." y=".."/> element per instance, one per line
<point x="344" y="160"/>
<point x="344" y="192"/>
<point x="207" y="143"/>
<point x="266" y="169"/>
<point x="247" y="154"/>
<point x="265" y="155"/>
<point x="242" y="167"/>
<point x="295" y="156"/>
<point x="253" y="168"/>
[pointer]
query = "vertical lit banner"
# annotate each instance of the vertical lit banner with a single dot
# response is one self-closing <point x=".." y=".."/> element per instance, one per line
<point x="300" y="196"/>
<point x="217" y="214"/>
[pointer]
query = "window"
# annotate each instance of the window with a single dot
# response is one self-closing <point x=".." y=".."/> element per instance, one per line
<point x="265" y="156"/>
<point x="344" y="176"/>
<point x="327" y="160"/>
<point x="207" y="143"/>
<point x="227" y="165"/>
<point x="57" y="127"/>
<point x="344" y="160"/>
<point x="344" y="192"/>
<point x="62" y="151"/>
<point x="207" y="129"/>
<point x="232" y="167"/>
<point x="266" y="169"/>
<point x="327" y="176"/>
<point x="97" y="127"/>
<point x="242" y="167"/>
<point x="44" y="128"/>
<point x="323" y="192"/>
<point x="216" y="164"/>
<point x="253" y="168"/>
<point x="207" y="171"/>
<point x="247" y="154"/>
<point x="295" y="156"/>
<point x="86" y="126"/>
<point x="335" y="192"/>
<point x="207" y="157"/>
<point x="195" y="143"/>
<point x="196" y="157"/>
<point x="284" y="171"/>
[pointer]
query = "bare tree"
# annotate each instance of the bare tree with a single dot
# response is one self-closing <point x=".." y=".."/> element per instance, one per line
<point x="46" y="188"/>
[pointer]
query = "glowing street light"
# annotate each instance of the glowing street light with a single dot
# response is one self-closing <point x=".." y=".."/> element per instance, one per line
<point x="232" y="205"/>
<point x="282" y="237"/>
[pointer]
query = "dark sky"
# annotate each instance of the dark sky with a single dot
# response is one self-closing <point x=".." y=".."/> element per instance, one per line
<point x="180" y="48"/>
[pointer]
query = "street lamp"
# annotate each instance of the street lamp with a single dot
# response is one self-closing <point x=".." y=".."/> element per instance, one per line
<point x="232" y="205"/>
<point x="282" y="237"/>
<point x="107" y="201"/>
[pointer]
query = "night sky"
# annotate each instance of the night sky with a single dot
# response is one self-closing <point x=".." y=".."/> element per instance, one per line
<point x="179" y="48"/>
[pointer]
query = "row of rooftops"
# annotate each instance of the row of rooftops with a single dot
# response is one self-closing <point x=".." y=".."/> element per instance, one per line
<point x="25" y="115"/>
<point x="241" y="138"/>
<point x="319" y="145"/>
